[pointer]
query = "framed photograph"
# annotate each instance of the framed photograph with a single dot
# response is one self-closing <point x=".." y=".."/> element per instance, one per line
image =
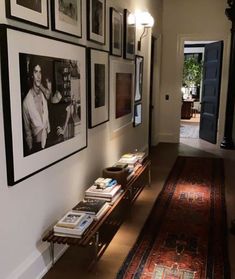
<point x="44" y="96"/>
<point x="137" y="114"/>
<point x="31" y="11"/>
<point x="129" y="35"/>
<point x="96" y="25"/>
<point x="116" y="23"/>
<point x="67" y="17"/>
<point x="121" y="93"/>
<point x="98" y="87"/>
<point x="139" y="66"/>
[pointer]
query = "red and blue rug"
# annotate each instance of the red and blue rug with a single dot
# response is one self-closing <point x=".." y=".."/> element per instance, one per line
<point x="185" y="235"/>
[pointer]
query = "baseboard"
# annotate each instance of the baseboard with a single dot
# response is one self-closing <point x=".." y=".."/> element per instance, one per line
<point x="38" y="263"/>
<point x="155" y="141"/>
<point x="168" y="137"/>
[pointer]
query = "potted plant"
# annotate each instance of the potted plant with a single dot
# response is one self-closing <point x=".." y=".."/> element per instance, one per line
<point x="192" y="73"/>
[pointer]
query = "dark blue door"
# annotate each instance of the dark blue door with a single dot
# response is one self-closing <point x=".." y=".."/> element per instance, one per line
<point x="211" y="91"/>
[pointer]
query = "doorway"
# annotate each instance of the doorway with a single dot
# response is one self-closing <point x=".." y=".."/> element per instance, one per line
<point x="201" y="90"/>
<point x="191" y="90"/>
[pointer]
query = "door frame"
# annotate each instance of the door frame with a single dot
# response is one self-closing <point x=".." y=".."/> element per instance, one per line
<point x="181" y="39"/>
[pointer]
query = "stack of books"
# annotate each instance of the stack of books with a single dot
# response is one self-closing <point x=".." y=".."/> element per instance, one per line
<point x="133" y="162"/>
<point x="93" y="207"/>
<point x="110" y="191"/>
<point x="73" y="224"/>
<point x="140" y="156"/>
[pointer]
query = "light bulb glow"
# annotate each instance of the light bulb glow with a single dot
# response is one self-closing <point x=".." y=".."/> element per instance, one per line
<point x="131" y="19"/>
<point x="144" y="19"/>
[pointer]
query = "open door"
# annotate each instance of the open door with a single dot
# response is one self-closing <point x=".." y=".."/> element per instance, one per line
<point x="211" y="91"/>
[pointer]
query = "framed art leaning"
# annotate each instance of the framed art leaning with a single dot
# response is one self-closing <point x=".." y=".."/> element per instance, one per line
<point x="98" y="87"/>
<point x="67" y="17"/>
<point x="44" y="99"/>
<point x="31" y="11"/>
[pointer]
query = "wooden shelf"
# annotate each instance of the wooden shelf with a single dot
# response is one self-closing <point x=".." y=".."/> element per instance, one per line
<point x="100" y="232"/>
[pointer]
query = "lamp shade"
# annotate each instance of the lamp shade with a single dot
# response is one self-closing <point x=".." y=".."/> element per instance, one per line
<point x="144" y="19"/>
<point x="131" y="19"/>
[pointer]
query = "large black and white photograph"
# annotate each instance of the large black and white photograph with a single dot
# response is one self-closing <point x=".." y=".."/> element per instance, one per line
<point x="96" y="21"/>
<point x="50" y="93"/>
<point x="129" y="35"/>
<point x="51" y="102"/>
<point x="139" y="66"/>
<point x="67" y="17"/>
<point x="116" y="27"/>
<point x="30" y="11"/>
<point x="121" y="93"/>
<point x="98" y="87"/>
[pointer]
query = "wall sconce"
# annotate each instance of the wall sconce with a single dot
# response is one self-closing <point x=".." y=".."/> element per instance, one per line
<point x="145" y="20"/>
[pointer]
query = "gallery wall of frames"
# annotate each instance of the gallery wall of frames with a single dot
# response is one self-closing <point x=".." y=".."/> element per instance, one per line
<point x="63" y="87"/>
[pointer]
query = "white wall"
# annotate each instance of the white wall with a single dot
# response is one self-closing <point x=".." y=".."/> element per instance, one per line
<point x="183" y="20"/>
<point x="29" y="208"/>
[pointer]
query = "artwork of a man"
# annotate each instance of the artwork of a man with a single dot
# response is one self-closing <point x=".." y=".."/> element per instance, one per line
<point x="35" y="112"/>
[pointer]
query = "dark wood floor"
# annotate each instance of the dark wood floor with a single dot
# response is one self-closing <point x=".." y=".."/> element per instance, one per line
<point x="73" y="264"/>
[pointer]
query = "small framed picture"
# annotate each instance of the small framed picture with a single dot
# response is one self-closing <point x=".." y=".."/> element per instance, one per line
<point x="129" y="35"/>
<point x="116" y="27"/>
<point x="96" y="21"/>
<point x="98" y="87"/>
<point x="31" y="11"/>
<point x="67" y="17"/>
<point x="139" y="65"/>
<point x="137" y="114"/>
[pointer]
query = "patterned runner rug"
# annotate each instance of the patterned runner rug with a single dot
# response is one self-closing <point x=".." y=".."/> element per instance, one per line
<point x="184" y="236"/>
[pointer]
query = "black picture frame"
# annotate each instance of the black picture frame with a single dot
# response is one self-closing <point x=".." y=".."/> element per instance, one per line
<point x="139" y="67"/>
<point x="67" y="17"/>
<point x="34" y="12"/>
<point x="96" y="21"/>
<point x="98" y="87"/>
<point x="116" y="32"/>
<point x="137" y="119"/>
<point x="129" y="37"/>
<point x="27" y="68"/>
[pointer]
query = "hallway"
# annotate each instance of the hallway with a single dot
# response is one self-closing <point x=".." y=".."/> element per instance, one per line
<point x="163" y="156"/>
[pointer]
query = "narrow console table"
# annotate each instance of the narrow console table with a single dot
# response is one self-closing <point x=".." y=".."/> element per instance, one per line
<point x="186" y="109"/>
<point x="100" y="232"/>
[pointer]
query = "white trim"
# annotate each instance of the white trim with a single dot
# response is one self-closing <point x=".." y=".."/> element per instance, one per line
<point x="168" y="137"/>
<point x="38" y="263"/>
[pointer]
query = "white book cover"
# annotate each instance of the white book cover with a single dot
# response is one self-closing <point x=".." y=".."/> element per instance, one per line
<point x="94" y="188"/>
<point x="104" y="194"/>
<point x="79" y="229"/>
<point x="71" y="219"/>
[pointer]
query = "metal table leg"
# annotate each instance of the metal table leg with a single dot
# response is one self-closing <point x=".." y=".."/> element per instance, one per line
<point x="52" y="253"/>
